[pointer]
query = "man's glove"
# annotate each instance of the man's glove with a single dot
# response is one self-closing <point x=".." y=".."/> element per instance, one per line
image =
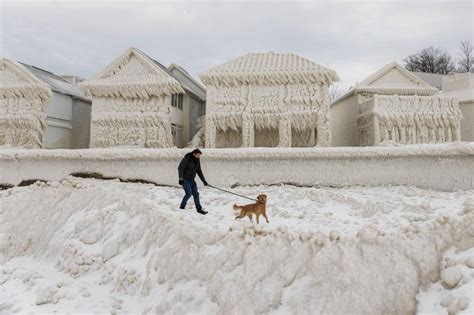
<point x="181" y="181"/>
<point x="205" y="183"/>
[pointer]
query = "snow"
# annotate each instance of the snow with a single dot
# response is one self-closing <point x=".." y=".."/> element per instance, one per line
<point x="454" y="299"/>
<point x="83" y="245"/>
<point x="451" y="276"/>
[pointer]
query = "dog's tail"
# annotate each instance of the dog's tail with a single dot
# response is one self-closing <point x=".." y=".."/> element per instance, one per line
<point x="236" y="207"/>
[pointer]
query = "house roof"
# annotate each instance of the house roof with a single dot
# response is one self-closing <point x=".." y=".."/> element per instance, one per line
<point x="191" y="84"/>
<point x="17" y="81"/>
<point x="132" y="74"/>
<point x="459" y="85"/>
<point x="433" y="79"/>
<point x="391" y="79"/>
<point x="199" y="90"/>
<point x="268" y="68"/>
<point x="55" y="82"/>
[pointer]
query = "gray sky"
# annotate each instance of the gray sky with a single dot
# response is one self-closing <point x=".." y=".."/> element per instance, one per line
<point x="354" y="38"/>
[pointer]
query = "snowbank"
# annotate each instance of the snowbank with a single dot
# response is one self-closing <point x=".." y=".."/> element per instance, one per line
<point x="445" y="167"/>
<point x="87" y="245"/>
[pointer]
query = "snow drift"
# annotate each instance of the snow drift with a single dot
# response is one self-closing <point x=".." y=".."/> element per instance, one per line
<point x="105" y="246"/>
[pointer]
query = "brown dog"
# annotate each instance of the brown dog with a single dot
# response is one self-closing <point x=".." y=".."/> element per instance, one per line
<point x="258" y="208"/>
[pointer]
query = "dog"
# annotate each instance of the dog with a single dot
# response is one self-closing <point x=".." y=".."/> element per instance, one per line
<point x="258" y="208"/>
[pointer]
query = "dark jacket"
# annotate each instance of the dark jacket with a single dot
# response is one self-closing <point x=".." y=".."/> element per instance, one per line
<point x="188" y="168"/>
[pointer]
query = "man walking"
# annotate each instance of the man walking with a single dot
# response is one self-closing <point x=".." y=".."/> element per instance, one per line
<point x="187" y="169"/>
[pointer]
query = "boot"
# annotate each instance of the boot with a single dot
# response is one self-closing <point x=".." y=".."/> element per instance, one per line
<point x="201" y="211"/>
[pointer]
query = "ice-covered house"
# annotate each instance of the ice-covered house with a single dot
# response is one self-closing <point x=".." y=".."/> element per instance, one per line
<point x="23" y="98"/>
<point x="67" y="113"/>
<point x="39" y="109"/>
<point x="394" y="105"/>
<point x="132" y="102"/>
<point x="267" y="99"/>
<point x="461" y="86"/>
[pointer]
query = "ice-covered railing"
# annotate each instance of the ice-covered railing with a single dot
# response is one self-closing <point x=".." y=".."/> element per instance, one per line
<point x="442" y="166"/>
<point x="409" y="119"/>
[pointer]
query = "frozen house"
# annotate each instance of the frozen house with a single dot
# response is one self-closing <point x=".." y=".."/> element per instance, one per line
<point x="394" y="105"/>
<point x="23" y="99"/>
<point x="41" y="109"/>
<point x="267" y="99"/>
<point x="138" y="102"/>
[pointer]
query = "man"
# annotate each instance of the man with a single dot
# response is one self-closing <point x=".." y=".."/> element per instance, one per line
<point x="187" y="169"/>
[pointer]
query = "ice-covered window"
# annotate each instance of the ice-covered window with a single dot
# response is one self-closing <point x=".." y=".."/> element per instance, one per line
<point x="177" y="101"/>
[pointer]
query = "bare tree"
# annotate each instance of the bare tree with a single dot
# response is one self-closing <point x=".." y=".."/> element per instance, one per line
<point x="432" y="60"/>
<point x="466" y="57"/>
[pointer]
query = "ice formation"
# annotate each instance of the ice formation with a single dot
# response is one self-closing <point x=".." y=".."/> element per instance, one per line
<point x="109" y="247"/>
<point x="23" y="98"/>
<point x="131" y="103"/>
<point x="409" y="119"/>
<point x="268" y="99"/>
<point x="200" y="136"/>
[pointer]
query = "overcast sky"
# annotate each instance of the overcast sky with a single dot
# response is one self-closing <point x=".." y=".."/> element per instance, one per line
<point x="354" y="38"/>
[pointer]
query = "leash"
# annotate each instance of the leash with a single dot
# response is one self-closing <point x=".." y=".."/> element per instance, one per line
<point x="230" y="192"/>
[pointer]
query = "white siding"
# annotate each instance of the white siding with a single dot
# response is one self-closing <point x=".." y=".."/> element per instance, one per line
<point x="58" y="118"/>
<point x="81" y="122"/>
<point x="60" y="107"/>
<point x="57" y="136"/>
<point x="344" y="122"/>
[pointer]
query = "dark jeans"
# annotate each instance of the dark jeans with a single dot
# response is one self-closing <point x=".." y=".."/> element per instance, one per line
<point x="190" y="189"/>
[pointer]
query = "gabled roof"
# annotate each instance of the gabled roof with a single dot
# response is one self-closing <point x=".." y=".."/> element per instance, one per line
<point x="391" y="79"/>
<point x="132" y="74"/>
<point x="268" y="68"/>
<point x="55" y="82"/>
<point x="200" y="93"/>
<point x="191" y="84"/>
<point x="183" y="84"/>
<point x="17" y="81"/>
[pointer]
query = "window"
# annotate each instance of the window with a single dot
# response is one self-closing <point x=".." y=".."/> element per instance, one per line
<point x="177" y="101"/>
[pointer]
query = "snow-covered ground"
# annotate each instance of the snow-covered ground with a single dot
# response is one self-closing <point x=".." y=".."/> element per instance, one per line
<point x="454" y="293"/>
<point x="86" y="245"/>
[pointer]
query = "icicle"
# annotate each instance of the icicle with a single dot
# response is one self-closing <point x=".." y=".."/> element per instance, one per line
<point x="416" y="119"/>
